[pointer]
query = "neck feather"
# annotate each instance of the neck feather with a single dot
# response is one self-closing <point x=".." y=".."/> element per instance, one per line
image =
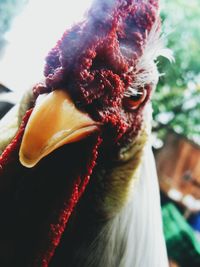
<point x="133" y="237"/>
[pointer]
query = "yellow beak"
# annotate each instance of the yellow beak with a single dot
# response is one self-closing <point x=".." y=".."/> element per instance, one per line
<point x="54" y="122"/>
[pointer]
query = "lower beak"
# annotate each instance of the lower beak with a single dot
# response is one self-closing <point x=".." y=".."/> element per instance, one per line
<point x="54" y="122"/>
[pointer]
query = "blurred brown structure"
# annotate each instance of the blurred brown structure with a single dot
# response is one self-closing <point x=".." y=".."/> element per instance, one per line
<point x="178" y="165"/>
<point x="173" y="264"/>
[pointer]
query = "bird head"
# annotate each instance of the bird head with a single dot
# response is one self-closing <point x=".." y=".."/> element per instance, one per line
<point x="88" y="114"/>
<point x="98" y="79"/>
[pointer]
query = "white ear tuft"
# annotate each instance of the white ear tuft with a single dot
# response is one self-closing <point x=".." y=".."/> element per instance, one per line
<point x="155" y="47"/>
<point x="145" y="71"/>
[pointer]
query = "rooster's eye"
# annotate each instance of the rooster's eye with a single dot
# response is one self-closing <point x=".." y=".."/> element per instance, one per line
<point x="133" y="100"/>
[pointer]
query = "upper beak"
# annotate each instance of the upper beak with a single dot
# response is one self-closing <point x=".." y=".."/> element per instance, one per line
<point x="54" y="122"/>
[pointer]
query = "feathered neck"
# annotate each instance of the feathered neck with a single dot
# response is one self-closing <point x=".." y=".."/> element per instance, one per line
<point x="132" y="237"/>
<point x="127" y="230"/>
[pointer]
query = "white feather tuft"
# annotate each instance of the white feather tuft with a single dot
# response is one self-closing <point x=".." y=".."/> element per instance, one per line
<point x="155" y="47"/>
<point x="145" y="71"/>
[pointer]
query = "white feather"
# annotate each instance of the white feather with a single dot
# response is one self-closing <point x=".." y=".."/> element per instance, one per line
<point x="8" y="127"/>
<point x="134" y="237"/>
<point x="142" y="217"/>
<point x="146" y="71"/>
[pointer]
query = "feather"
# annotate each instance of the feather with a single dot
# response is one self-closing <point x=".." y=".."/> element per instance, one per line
<point x="10" y="123"/>
<point x="145" y="71"/>
<point x="135" y="234"/>
<point x="8" y="127"/>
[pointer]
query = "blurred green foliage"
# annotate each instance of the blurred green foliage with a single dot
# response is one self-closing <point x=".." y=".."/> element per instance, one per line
<point x="8" y="9"/>
<point x="177" y="101"/>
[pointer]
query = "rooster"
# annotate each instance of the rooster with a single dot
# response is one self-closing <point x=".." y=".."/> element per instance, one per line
<point x="78" y="182"/>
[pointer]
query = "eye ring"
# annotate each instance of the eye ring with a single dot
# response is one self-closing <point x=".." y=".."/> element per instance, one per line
<point x="133" y="100"/>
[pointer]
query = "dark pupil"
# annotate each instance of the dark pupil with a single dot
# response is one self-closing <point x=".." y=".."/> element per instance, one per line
<point x="136" y="96"/>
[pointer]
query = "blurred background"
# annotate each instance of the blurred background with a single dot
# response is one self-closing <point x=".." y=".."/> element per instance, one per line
<point x="176" y="129"/>
<point x="176" y="125"/>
